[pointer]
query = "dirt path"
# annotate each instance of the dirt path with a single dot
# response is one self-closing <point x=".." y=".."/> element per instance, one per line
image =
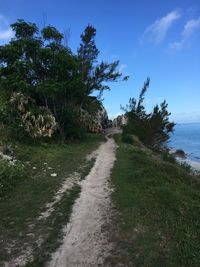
<point x="85" y="240"/>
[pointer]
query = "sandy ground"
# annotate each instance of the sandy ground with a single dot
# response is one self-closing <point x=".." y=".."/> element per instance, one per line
<point x="67" y="185"/>
<point x="85" y="240"/>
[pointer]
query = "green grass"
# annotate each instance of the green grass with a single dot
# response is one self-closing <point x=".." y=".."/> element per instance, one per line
<point x="11" y="175"/>
<point x="19" y="226"/>
<point x="158" y="223"/>
<point x="54" y="234"/>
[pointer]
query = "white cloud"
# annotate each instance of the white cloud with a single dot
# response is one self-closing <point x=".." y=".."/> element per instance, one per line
<point x="157" y="32"/>
<point x="190" y="27"/>
<point x="6" y="32"/>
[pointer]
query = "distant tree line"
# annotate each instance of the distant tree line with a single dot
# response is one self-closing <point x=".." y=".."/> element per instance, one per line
<point x="45" y="88"/>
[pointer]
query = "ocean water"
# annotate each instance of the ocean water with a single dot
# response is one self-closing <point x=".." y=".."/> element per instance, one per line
<point x="187" y="137"/>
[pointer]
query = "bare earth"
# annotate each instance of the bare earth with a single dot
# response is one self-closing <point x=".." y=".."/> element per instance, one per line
<point x="85" y="241"/>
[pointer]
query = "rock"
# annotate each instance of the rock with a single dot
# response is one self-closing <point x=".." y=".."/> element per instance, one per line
<point x="120" y="121"/>
<point x="180" y="153"/>
<point x="102" y="117"/>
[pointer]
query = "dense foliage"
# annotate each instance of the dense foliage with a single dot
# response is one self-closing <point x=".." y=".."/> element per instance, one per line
<point x="45" y="87"/>
<point x="11" y="174"/>
<point x="154" y="128"/>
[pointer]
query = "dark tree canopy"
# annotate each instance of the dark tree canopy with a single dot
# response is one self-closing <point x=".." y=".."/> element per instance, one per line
<point x="41" y="70"/>
<point x="24" y="29"/>
<point x="51" y="34"/>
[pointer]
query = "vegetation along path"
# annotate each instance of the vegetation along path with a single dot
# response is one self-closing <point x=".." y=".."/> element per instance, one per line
<point x="85" y="244"/>
<point x="35" y="211"/>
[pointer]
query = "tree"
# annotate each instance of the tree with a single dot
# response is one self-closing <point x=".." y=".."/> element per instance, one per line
<point x="42" y="69"/>
<point x="95" y="75"/>
<point x="38" y="66"/>
<point x="154" y="128"/>
<point x="159" y="125"/>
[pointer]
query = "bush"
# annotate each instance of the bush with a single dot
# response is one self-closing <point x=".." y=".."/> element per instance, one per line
<point x="11" y="174"/>
<point x="73" y="129"/>
<point x="127" y="138"/>
<point x="153" y="129"/>
<point x="168" y="157"/>
<point x="187" y="167"/>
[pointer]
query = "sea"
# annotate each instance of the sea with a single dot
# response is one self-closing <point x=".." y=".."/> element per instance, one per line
<point x="187" y="137"/>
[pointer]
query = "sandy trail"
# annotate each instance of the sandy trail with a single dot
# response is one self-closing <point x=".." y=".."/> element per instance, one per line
<point x="85" y="240"/>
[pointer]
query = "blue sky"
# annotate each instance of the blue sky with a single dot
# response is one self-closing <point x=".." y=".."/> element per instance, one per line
<point x="157" y="38"/>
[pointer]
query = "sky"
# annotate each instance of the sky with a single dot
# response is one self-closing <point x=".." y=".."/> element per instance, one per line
<point x="157" y="39"/>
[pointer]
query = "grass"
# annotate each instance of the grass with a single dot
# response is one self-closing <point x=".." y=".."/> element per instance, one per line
<point x="158" y="204"/>
<point x="19" y="227"/>
<point x="54" y="234"/>
<point x="10" y="176"/>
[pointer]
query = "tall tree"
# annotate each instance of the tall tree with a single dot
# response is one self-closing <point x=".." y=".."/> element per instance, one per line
<point x="96" y="76"/>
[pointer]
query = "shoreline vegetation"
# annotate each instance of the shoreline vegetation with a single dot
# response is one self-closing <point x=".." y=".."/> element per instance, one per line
<point x="158" y="214"/>
<point x="195" y="165"/>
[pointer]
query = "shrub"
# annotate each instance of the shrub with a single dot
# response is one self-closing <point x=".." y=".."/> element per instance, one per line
<point x="11" y="174"/>
<point x="187" y="167"/>
<point x="72" y="129"/>
<point x="127" y="138"/>
<point x="168" y="157"/>
<point x="37" y="121"/>
<point x="154" y="128"/>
